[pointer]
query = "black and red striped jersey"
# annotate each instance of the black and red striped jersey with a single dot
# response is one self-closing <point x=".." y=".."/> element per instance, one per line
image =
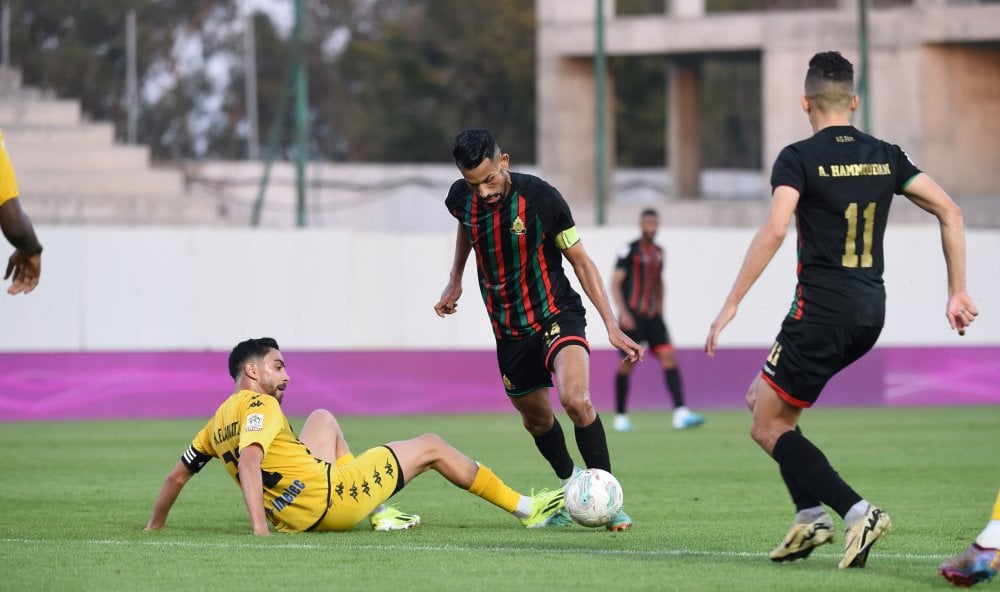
<point x="846" y="180"/>
<point x="518" y="256"/>
<point x="643" y="267"/>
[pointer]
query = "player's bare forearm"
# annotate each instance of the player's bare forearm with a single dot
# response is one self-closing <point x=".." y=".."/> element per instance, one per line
<point x="926" y="193"/>
<point x="172" y="486"/>
<point x="762" y="248"/>
<point x="448" y="302"/>
<point x="18" y="229"/>
<point x="462" y="250"/>
<point x="252" y="485"/>
<point x="593" y="286"/>
<point x="590" y="280"/>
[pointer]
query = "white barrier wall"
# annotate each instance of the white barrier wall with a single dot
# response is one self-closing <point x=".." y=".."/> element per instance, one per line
<point x="156" y="289"/>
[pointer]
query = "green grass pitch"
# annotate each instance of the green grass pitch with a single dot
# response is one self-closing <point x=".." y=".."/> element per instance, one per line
<point x="708" y="506"/>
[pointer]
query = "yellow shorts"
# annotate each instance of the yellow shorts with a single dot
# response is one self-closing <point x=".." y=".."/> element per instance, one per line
<point x="358" y="487"/>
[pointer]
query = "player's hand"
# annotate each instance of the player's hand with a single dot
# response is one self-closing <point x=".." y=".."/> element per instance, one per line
<point x="632" y="350"/>
<point x="721" y="320"/>
<point x="961" y="312"/>
<point x="24" y="271"/>
<point x="448" y="304"/>
<point x="626" y="321"/>
<point x="262" y="532"/>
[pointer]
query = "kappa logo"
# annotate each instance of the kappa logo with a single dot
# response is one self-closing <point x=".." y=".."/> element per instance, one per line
<point x="518" y="227"/>
<point x="507" y="384"/>
<point x="255" y="422"/>
<point x="256" y="404"/>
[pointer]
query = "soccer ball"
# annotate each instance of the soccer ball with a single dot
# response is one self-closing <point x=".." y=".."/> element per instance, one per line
<point x="593" y="497"/>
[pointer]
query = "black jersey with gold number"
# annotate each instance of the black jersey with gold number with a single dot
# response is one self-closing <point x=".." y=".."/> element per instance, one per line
<point x="643" y="267"/>
<point x="518" y="245"/>
<point x="846" y="181"/>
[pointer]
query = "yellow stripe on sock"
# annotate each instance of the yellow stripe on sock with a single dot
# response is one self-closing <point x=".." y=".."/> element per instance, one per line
<point x="345" y="459"/>
<point x="996" y="508"/>
<point x="489" y="487"/>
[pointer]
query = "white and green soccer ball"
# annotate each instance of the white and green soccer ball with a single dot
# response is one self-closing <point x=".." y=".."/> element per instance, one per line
<point x="593" y="497"/>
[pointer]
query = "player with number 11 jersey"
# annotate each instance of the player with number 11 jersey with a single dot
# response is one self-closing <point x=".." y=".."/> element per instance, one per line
<point x="846" y="181"/>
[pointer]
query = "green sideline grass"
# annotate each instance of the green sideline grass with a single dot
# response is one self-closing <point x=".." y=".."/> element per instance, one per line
<point x="708" y="506"/>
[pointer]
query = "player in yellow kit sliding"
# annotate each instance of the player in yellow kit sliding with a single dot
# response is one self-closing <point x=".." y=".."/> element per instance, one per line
<point x="313" y="482"/>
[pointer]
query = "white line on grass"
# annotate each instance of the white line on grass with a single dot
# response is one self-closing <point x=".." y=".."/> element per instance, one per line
<point x="455" y="548"/>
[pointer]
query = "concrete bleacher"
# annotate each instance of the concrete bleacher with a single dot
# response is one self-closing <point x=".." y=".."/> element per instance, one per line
<point x="72" y="171"/>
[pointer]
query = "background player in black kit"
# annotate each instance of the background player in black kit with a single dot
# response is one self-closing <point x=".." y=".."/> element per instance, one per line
<point x="839" y="183"/>
<point x="638" y="290"/>
<point x="520" y="227"/>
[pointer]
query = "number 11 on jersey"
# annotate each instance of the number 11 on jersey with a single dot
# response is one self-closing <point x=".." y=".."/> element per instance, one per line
<point x="850" y="258"/>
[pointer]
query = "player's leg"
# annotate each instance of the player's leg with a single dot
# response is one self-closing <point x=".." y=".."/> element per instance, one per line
<point x="571" y="365"/>
<point x="803" y="359"/>
<point x="622" y="379"/>
<point x="430" y="452"/>
<point x="325" y="439"/>
<point x="537" y="417"/>
<point x="527" y="380"/>
<point x="663" y="349"/>
<point x="812" y="526"/>
<point x="981" y="561"/>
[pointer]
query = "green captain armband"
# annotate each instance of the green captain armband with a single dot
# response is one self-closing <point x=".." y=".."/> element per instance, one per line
<point x="567" y="238"/>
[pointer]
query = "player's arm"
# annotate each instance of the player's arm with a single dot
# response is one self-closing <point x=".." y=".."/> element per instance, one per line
<point x="760" y="252"/>
<point x="590" y="280"/>
<point x="660" y="295"/>
<point x="618" y="293"/>
<point x="25" y="264"/>
<point x="926" y="193"/>
<point x="252" y="485"/>
<point x="175" y="481"/>
<point x="448" y="303"/>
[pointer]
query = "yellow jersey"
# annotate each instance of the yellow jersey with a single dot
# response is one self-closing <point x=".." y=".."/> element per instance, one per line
<point x="296" y="484"/>
<point x="8" y="181"/>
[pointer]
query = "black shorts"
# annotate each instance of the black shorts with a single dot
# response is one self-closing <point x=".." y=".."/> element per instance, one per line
<point x="806" y="355"/>
<point x="651" y="330"/>
<point x="526" y="364"/>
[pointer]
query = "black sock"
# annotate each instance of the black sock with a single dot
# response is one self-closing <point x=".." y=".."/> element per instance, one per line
<point x="800" y="497"/>
<point x="808" y="466"/>
<point x="593" y="446"/>
<point x="552" y="445"/>
<point x="674" y="386"/>
<point x="621" y="392"/>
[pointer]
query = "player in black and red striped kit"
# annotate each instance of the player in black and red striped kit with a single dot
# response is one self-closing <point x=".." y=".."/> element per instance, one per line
<point x="839" y="184"/>
<point x="638" y="290"/>
<point x="520" y="228"/>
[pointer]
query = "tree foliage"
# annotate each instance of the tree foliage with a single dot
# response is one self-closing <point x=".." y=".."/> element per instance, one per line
<point x="389" y="80"/>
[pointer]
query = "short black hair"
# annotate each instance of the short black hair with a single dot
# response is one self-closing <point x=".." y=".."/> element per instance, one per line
<point x="649" y="212"/>
<point x="472" y="146"/>
<point x="830" y="79"/>
<point x="245" y="350"/>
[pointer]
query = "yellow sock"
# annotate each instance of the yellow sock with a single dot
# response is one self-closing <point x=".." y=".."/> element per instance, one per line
<point x="489" y="487"/>
<point x="345" y="459"/>
<point x="996" y="508"/>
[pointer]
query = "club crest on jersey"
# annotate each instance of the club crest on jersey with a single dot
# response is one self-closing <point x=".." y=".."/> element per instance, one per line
<point x="518" y="227"/>
<point x="255" y="422"/>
